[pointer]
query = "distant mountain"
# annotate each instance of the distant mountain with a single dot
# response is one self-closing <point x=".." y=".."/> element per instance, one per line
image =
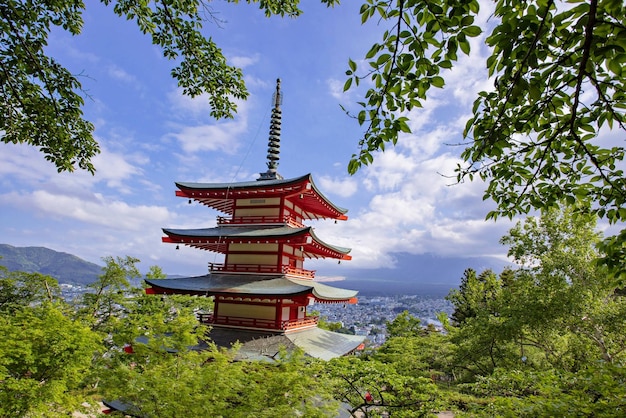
<point x="422" y="274"/>
<point x="413" y="274"/>
<point x="66" y="268"/>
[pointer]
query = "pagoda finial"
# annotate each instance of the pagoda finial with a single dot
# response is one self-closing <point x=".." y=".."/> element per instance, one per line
<point x="273" y="148"/>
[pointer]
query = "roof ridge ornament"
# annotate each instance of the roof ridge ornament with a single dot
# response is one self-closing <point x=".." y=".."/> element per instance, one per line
<point x="273" y="147"/>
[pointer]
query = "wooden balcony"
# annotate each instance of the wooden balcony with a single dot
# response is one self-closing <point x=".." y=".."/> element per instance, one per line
<point x="300" y="273"/>
<point x="261" y="269"/>
<point x="260" y="220"/>
<point x="306" y="322"/>
<point x="235" y="321"/>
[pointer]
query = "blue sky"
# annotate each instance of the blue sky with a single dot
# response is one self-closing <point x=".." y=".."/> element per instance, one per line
<point x="152" y="136"/>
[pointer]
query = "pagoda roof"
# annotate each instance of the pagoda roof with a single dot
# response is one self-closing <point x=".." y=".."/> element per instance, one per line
<point x="302" y="190"/>
<point x="276" y="286"/>
<point x="217" y="239"/>
<point x="258" y="345"/>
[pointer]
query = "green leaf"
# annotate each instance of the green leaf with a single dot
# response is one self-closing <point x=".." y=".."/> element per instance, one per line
<point x="465" y="46"/>
<point x="616" y="67"/>
<point x="382" y="59"/>
<point x="347" y="84"/>
<point x="352" y="65"/>
<point x="437" y="81"/>
<point x="472" y="31"/>
<point x="361" y="117"/>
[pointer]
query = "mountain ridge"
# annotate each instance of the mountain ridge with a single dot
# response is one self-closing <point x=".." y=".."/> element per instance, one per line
<point x="64" y="267"/>
<point x="414" y="274"/>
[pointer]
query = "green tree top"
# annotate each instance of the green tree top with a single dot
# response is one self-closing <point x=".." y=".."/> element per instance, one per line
<point x="542" y="134"/>
<point x="41" y="101"/>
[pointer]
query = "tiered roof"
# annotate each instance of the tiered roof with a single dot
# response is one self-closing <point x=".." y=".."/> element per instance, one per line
<point x="262" y="286"/>
<point x="221" y="196"/>
<point x="249" y="285"/>
<point x="217" y="239"/>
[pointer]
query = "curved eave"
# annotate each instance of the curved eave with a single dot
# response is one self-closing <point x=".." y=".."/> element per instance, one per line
<point x="218" y="239"/>
<point x="318" y="248"/>
<point x="321" y="206"/>
<point x="329" y="294"/>
<point x="302" y="191"/>
<point x="274" y="286"/>
<point x="221" y="196"/>
<point x="219" y="284"/>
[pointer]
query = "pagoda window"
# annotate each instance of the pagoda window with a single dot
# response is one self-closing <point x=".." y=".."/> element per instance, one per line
<point x="257" y="210"/>
<point x="272" y="211"/>
<point x="253" y="248"/>
<point x="270" y="201"/>
<point x="260" y="259"/>
<point x="285" y="313"/>
<point x="247" y="311"/>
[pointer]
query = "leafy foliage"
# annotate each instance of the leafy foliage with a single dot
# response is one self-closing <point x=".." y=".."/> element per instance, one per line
<point x="372" y="388"/>
<point x="41" y="100"/>
<point x="44" y="359"/>
<point x="547" y="329"/>
<point x="476" y="294"/>
<point x="542" y="135"/>
<point x="41" y="104"/>
<point x="103" y="305"/>
<point x="211" y="383"/>
<point x="559" y="82"/>
<point x="19" y="289"/>
<point x="424" y="38"/>
<point x="404" y="325"/>
<point x="545" y="339"/>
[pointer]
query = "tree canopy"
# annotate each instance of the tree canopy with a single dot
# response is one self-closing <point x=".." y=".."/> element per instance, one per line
<point x="41" y="101"/>
<point x="552" y="127"/>
<point x="544" y="339"/>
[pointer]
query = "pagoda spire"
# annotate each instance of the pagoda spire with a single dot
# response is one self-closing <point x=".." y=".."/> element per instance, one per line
<point x="273" y="146"/>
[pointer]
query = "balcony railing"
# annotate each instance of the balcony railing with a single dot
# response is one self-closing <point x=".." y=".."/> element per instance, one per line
<point x="301" y="273"/>
<point x="258" y="220"/>
<point x="210" y="319"/>
<point x="261" y="269"/>
<point x="306" y="322"/>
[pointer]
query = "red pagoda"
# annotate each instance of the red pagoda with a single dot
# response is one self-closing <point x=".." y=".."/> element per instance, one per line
<point x="261" y="291"/>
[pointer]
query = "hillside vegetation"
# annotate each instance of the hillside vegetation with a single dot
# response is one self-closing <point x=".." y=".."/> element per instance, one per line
<point x="65" y="268"/>
<point x="542" y="340"/>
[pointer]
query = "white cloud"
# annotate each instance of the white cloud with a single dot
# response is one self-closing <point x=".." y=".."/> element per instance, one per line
<point x="388" y="170"/>
<point x="335" y="88"/>
<point x="209" y="137"/>
<point x="345" y="187"/>
<point x="97" y="210"/>
<point x="115" y="169"/>
<point x="120" y="74"/>
<point x="244" y="61"/>
<point x="23" y="163"/>
<point x="183" y="104"/>
<point x="212" y="136"/>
